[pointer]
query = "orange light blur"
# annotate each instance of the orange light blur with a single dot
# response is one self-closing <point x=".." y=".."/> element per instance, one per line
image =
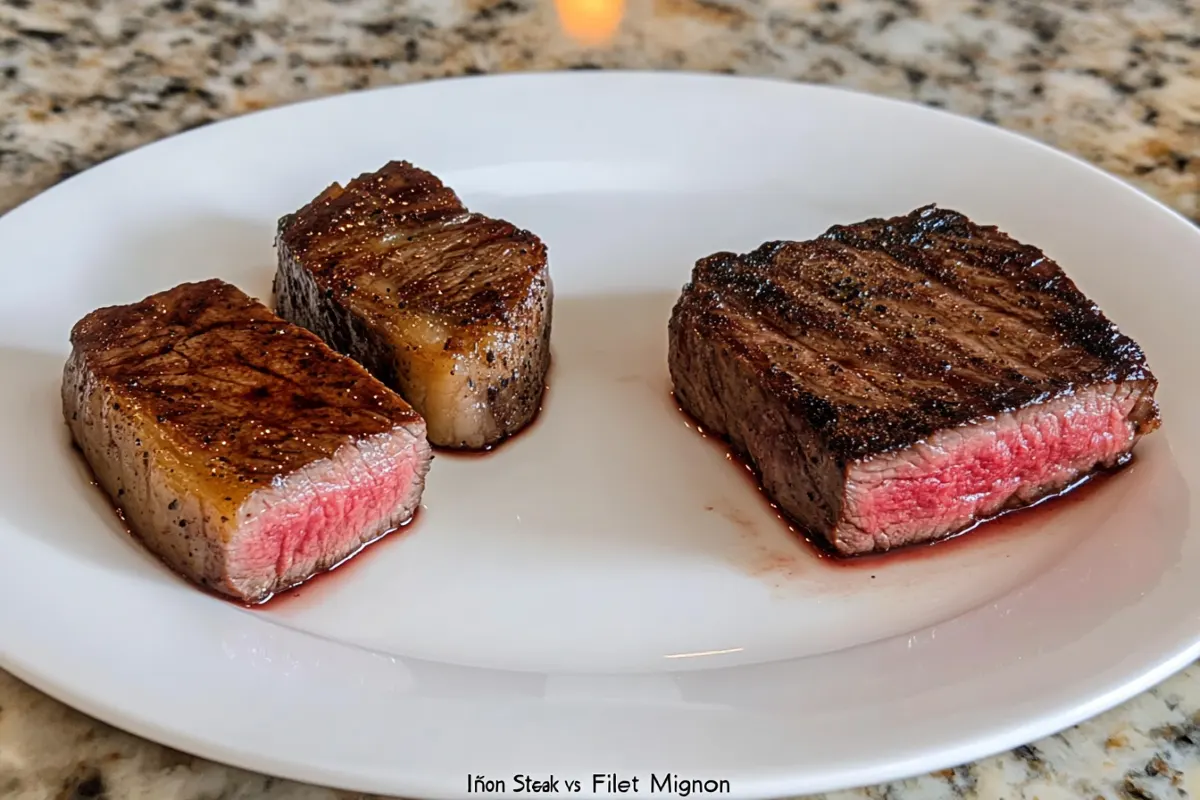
<point x="590" y="22"/>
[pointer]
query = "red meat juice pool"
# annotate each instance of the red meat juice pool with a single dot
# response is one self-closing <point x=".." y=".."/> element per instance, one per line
<point x="1004" y="527"/>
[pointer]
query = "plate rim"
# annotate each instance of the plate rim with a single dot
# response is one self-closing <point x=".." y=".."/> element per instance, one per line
<point x="608" y="73"/>
<point x="997" y="743"/>
<point x="766" y="786"/>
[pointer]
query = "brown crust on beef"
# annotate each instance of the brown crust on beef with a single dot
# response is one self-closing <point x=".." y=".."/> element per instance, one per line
<point x="375" y="266"/>
<point x="246" y="394"/>
<point x="879" y="334"/>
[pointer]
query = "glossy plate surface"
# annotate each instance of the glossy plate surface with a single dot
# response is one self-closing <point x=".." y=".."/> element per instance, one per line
<point x="606" y="593"/>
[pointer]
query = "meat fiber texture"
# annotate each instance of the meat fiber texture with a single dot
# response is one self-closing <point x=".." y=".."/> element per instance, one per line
<point x="450" y="308"/>
<point x="244" y="452"/>
<point x="898" y="381"/>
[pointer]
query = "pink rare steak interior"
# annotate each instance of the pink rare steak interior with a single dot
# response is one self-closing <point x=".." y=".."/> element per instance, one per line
<point x="898" y="381"/>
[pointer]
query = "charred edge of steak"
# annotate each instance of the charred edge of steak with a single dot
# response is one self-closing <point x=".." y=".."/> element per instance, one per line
<point x="1078" y="320"/>
<point x="749" y="283"/>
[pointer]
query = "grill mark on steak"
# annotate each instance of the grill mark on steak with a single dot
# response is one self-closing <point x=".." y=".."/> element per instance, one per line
<point x="983" y="264"/>
<point x="907" y="355"/>
<point x="450" y="308"/>
<point x="933" y="338"/>
<point x="879" y="337"/>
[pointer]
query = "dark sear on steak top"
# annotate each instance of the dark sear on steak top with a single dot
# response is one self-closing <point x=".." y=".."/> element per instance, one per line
<point x="450" y="308"/>
<point x="242" y="451"/>
<point x="895" y="381"/>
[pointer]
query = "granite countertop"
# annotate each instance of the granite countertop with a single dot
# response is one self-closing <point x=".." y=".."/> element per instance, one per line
<point x="1114" y="81"/>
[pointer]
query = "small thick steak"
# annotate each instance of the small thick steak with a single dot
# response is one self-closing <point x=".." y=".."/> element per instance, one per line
<point x="897" y="381"/>
<point x="451" y="309"/>
<point x="242" y="451"/>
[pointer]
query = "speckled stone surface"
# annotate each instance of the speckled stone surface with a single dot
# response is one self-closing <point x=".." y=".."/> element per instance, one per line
<point x="1114" y="81"/>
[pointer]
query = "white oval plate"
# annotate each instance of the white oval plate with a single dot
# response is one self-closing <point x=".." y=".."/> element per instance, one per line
<point x="606" y="593"/>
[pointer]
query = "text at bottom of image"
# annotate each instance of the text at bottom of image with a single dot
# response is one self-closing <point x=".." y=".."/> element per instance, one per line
<point x="604" y="783"/>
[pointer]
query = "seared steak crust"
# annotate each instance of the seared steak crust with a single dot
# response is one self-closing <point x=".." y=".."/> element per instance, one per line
<point x="874" y="338"/>
<point x="250" y="394"/>
<point x="450" y="308"/>
<point x="208" y="419"/>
